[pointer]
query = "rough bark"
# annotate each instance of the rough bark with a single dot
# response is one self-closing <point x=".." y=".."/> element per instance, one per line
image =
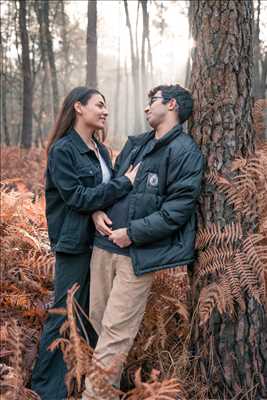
<point x="26" y="133"/>
<point x="91" y="41"/>
<point x="232" y="352"/>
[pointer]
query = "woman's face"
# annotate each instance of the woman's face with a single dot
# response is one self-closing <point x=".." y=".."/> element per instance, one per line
<point x="94" y="112"/>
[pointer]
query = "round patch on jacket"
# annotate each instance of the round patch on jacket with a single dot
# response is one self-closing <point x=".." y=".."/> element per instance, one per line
<point x="153" y="180"/>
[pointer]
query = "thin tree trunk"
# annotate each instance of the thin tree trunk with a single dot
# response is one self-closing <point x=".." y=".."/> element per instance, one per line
<point x="51" y="56"/>
<point x="65" y="47"/>
<point x="145" y="37"/>
<point x="264" y="74"/>
<point x="127" y="98"/>
<point x="116" y="102"/>
<point x="39" y="117"/>
<point x="258" y="87"/>
<point x="26" y="134"/>
<point x="3" y="92"/>
<point x="135" y="72"/>
<point x="231" y="352"/>
<point x="91" y="41"/>
<point x="188" y="63"/>
<point x="146" y="61"/>
<point x="4" y="110"/>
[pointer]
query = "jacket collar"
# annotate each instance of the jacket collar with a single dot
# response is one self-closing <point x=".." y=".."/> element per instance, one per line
<point x="83" y="148"/>
<point x="78" y="142"/>
<point x="167" y="138"/>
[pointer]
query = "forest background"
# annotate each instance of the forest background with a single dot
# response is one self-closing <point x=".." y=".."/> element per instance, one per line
<point x="203" y="337"/>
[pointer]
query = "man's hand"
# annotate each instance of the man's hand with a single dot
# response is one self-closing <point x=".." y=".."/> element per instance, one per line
<point x="120" y="237"/>
<point x="102" y="223"/>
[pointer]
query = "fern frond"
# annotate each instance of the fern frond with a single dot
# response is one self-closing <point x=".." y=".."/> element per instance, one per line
<point x="217" y="235"/>
<point x="248" y="279"/>
<point x="211" y="296"/>
<point x="9" y="388"/>
<point x="168" y="389"/>
<point x="214" y="259"/>
<point x="231" y="286"/>
<point x="256" y="256"/>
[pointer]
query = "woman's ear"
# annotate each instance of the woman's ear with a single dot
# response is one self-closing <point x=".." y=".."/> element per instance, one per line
<point x="78" y="107"/>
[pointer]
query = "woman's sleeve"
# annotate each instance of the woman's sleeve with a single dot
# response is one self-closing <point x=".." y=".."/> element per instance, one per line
<point x="71" y="189"/>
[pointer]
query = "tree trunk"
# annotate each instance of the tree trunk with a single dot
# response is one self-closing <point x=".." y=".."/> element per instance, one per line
<point x="188" y="61"/>
<point x="3" y="92"/>
<point x="231" y="352"/>
<point x="145" y="38"/>
<point x="258" y="86"/>
<point x="127" y="93"/>
<point x="4" y="110"/>
<point x="146" y="62"/>
<point x="51" y="56"/>
<point x="135" y="71"/>
<point x="91" y="41"/>
<point x="264" y="74"/>
<point x="65" y="47"/>
<point x="39" y="117"/>
<point x="26" y="134"/>
<point x="116" y="102"/>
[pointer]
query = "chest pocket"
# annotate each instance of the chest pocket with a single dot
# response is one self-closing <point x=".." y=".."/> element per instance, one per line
<point x="87" y="176"/>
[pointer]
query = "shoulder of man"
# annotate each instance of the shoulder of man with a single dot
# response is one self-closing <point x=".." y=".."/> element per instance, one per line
<point x="184" y="143"/>
<point x="139" y="137"/>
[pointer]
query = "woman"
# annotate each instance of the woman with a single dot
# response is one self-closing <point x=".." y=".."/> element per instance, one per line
<point x="78" y="183"/>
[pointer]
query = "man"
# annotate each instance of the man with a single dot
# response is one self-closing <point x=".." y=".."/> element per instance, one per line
<point x="151" y="228"/>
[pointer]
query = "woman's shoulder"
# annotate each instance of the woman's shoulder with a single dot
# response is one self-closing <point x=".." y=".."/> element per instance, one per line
<point x="62" y="144"/>
<point x="62" y="147"/>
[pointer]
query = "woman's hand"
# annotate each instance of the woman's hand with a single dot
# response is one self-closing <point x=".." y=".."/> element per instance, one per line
<point x="102" y="222"/>
<point x="120" y="238"/>
<point x="131" y="172"/>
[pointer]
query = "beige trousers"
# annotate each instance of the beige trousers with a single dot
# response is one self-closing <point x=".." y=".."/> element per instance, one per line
<point x="117" y="303"/>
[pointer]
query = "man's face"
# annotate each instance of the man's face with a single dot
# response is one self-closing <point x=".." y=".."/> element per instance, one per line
<point x="156" y="112"/>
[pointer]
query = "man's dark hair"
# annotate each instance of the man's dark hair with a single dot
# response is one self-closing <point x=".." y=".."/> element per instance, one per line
<point x="182" y="96"/>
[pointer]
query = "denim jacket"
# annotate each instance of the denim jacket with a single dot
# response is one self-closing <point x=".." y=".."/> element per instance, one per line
<point x="74" y="190"/>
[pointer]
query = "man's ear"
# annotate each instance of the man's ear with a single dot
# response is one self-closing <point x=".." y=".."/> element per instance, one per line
<point x="77" y="107"/>
<point x="172" y="105"/>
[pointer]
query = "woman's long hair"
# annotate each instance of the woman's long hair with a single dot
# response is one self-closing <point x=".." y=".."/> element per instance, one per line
<point x="66" y="116"/>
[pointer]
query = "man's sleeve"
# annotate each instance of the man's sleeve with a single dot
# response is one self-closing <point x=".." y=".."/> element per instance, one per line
<point x="183" y="188"/>
<point x="77" y="196"/>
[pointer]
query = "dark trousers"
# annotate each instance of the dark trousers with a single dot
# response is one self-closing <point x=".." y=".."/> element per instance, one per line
<point x="49" y="371"/>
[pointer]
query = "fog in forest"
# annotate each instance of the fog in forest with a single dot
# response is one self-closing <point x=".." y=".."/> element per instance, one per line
<point x="151" y="47"/>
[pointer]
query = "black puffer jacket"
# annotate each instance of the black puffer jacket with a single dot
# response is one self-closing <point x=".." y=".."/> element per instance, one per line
<point x="162" y="205"/>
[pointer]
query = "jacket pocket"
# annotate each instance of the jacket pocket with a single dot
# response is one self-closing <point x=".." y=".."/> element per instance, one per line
<point x="87" y="176"/>
<point x="75" y="227"/>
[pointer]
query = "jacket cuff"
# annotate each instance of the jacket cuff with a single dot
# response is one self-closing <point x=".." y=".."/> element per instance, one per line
<point x="130" y="233"/>
<point x="126" y="182"/>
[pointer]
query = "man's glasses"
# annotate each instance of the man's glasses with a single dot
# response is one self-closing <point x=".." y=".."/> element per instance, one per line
<point x="153" y="99"/>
